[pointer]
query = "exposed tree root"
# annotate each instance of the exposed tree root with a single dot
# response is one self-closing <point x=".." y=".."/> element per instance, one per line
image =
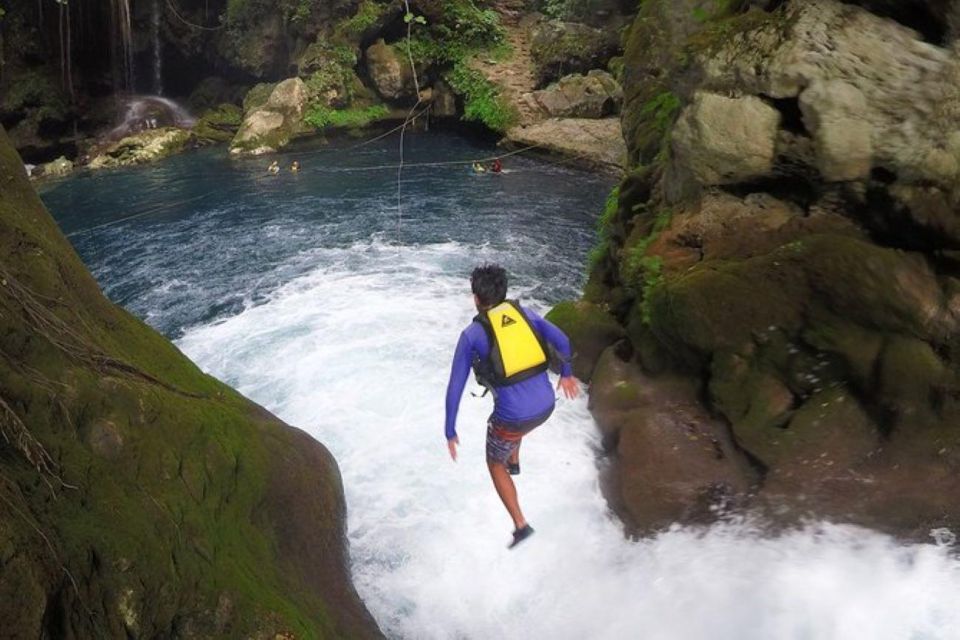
<point x="16" y="434"/>
<point x="53" y="552"/>
<point x="62" y="336"/>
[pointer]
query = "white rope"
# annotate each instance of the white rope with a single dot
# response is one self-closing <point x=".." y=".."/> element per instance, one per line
<point x="408" y="16"/>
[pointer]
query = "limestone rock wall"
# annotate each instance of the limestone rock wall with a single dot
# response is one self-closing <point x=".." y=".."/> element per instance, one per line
<point x="785" y="244"/>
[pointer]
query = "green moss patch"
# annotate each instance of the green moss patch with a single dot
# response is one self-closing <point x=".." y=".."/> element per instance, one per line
<point x="322" y="117"/>
<point x="153" y="514"/>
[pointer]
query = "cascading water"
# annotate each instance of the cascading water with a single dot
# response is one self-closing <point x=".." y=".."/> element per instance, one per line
<point x="122" y="45"/>
<point x="295" y="289"/>
<point x="156" y="48"/>
<point x="137" y="113"/>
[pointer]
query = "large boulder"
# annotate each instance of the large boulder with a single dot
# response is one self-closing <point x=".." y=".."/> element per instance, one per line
<point x="671" y="461"/>
<point x="328" y="72"/>
<point x="594" y="95"/>
<point x="872" y="93"/>
<point x="257" y="96"/>
<point x="444" y="101"/>
<point x="593" y="142"/>
<point x="721" y="140"/>
<point x="57" y="168"/>
<point x="832" y="112"/>
<point x="144" y="147"/>
<point x="591" y="329"/>
<point x="390" y="71"/>
<point x="219" y="124"/>
<point x="271" y="126"/>
<point x="561" y="48"/>
<point x="140" y="496"/>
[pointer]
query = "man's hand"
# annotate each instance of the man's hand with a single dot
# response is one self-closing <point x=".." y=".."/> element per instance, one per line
<point x="452" y="446"/>
<point x="570" y="387"/>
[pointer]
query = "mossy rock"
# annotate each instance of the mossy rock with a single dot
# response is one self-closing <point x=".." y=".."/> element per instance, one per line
<point x="590" y="328"/>
<point x="560" y="48"/>
<point x="724" y="303"/>
<point x="141" y="495"/>
<point x="752" y="398"/>
<point x="722" y="306"/>
<point x="31" y="90"/>
<point x="674" y="463"/>
<point x="856" y="346"/>
<point x="370" y="17"/>
<point x="658" y="71"/>
<point x="911" y="380"/>
<point x="214" y="91"/>
<point x="143" y="147"/>
<point x="257" y="96"/>
<point x="219" y="124"/>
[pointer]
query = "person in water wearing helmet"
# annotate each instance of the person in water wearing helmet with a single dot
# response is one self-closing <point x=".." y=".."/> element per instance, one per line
<point x="508" y="347"/>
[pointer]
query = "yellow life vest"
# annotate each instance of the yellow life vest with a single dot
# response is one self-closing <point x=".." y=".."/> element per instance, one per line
<point x="517" y="350"/>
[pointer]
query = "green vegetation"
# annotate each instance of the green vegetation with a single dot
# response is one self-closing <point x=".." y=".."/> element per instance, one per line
<point x="482" y="101"/>
<point x="320" y="116"/>
<point x="662" y="109"/>
<point x="641" y="272"/>
<point x="568" y="9"/>
<point x="604" y="222"/>
<point x="448" y="42"/>
<point x="331" y="67"/>
<point x="36" y="92"/>
<point x="368" y="14"/>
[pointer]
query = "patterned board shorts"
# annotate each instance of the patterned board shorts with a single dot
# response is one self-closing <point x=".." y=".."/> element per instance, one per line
<point x="504" y="438"/>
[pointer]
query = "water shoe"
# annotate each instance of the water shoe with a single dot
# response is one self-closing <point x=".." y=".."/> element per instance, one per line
<point x="520" y="535"/>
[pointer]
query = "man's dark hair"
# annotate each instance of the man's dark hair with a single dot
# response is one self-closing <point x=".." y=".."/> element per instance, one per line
<point x="489" y="284"/>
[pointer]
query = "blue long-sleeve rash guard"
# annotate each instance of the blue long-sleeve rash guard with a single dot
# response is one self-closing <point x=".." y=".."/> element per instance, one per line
<point x="525" y="400"/>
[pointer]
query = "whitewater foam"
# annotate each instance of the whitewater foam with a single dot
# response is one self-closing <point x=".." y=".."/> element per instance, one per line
<point x="357" y="349"/>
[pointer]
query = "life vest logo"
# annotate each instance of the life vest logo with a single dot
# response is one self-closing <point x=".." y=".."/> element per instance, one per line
<point x="506" y="321"/>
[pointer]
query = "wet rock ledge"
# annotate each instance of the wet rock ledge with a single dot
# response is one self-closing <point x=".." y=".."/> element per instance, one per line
<point x="773" y="312"/>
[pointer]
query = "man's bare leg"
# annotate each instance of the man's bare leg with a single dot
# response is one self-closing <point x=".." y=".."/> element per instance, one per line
<point x="503" y="483"/>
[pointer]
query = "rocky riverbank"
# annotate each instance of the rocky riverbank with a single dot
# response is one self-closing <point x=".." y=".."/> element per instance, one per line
<point x="140" y="497"/>
<point x="267" y="73"/>
<point x="776" y="281"/>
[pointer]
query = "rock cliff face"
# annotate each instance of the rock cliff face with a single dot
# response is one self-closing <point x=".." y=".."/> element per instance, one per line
<point x="138" y="496"/>
<point x="782" y="259"/>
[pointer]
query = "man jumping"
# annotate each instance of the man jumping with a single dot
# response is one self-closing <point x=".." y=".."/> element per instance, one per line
<point x="508" y="348"/>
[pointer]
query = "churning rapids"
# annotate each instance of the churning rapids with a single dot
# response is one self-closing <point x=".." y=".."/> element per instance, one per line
<point x="304" y="293"/>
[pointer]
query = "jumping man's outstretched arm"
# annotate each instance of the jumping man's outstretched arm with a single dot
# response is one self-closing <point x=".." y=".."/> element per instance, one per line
<point x="459" y="372"/>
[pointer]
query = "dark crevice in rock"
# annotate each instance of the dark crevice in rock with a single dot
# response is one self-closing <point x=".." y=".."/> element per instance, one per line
<point x="789" y="188"/>
<point x="923" y="16"/>
<point x="883" y="175"/>
<point x="791" y="117"/>
<point x="891" y="223"/>
<point x="54" y="617"/>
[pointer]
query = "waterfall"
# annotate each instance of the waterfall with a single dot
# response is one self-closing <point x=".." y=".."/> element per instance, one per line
<point x="137" y="113"/>
<point x="157" y="56"/>
<point x="122" y="45"/>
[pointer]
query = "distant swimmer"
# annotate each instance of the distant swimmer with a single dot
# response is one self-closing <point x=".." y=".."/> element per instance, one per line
<point x="479" y="168"/>
<point x="274" y="168"/>
<point x="295" y="167"/>
<point x="507" y="346"/>
<point x="497" y="166"/>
